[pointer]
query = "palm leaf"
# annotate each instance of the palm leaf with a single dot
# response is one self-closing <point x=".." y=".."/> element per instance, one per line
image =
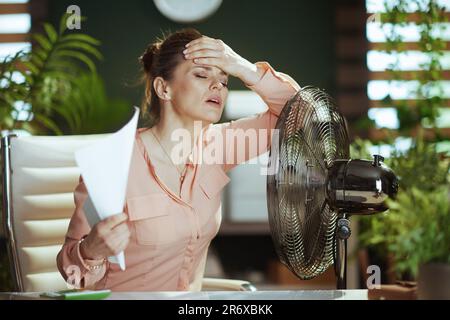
<point x="80" y="37"/>
<point x="51" y="32"/>
<point x="48" y="123"/>
<point x="79" y="56"/>
<point x="31" y="66"/>
<point x="91" y="110"/>
<point x="63" y="23"/>
<point x="37" y="61"/>
<point x="82" y="46"/>
<point x="43" y="42"/>
<point x="68" y="116"/>
<point x="62" y="68"/>
<point x="50" y="70"/>
<point x="40" y="53"/>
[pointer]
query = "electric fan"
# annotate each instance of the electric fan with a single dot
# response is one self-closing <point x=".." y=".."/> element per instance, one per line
<point x="313" y="186"/>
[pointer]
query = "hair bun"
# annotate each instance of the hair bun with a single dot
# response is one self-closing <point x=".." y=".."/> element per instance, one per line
<point x="148" y="57"/>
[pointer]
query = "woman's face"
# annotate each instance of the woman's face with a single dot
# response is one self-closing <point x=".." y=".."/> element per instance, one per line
<point x="198" y="92"/>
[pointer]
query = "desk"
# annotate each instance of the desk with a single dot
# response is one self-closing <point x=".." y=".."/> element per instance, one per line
<point x="219" y="295"/>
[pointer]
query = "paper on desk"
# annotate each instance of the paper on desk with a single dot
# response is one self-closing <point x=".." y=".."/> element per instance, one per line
<point x="104" y="166"/>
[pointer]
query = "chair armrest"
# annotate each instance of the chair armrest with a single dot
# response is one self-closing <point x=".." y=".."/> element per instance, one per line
<point x="216" y="284"/>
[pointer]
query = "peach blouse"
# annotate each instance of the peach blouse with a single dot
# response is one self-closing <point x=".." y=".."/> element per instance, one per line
<point x="170" y="234"/>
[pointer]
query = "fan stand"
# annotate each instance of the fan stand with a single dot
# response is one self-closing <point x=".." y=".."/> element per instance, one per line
<point x="343" y="232"/>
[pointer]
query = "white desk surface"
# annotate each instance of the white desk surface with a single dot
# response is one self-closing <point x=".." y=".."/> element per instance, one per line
<point x="220" y="295"/>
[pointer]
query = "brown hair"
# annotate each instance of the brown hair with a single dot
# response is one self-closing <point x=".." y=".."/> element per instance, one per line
<point x="160" y="59"/>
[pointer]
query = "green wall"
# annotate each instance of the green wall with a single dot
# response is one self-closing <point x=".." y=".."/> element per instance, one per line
<point x="295" y="37"/>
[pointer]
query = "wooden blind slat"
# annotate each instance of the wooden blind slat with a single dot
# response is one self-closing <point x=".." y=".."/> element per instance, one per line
<point x="410" y="17"/>
<point x="14" y="37"/>
<point x="382" y="134"/>
<point x="405" y="75"/>
<point x="411" y="103"/>
<point x="380" y="46"/>
<point x="12" y="8"/>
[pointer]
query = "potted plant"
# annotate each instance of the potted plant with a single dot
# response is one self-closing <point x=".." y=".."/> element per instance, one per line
<point x="419" y="218"/>
<point x="421" y="238"/>
<point x="416" y="228"/>
<point x="35" y="83"/>
<point x="55" y="89"/>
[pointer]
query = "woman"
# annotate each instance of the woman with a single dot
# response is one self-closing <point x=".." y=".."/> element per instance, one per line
<point x="172" y="209"/>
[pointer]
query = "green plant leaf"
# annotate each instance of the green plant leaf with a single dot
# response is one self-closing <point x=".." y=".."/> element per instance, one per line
<point x="51" y="32"/>
<point x="88" y="109"/>
<point x="63" y="23"/>
<point x="81" y="46"/>
<point x="79" y="56"/>
<point x="42" y="41"/>
<point x="42" y="54"/>
<point x="80" y="37"/>
<point x="48" y="123"/>
<point x="30" y="65"/>
<point x="37" y="61"/>
<point x="52" y="68"/>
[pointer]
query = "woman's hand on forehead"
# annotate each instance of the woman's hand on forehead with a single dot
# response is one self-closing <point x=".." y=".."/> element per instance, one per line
<point x="214" y="52"/>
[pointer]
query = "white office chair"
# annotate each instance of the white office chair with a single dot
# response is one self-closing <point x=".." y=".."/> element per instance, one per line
<point x="39" y="177"/>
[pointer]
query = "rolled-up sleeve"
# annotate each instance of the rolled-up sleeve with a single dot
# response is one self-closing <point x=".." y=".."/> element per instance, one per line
<point x="74" y="269"/>
<point x="274" y="87"/>
<point x="250" y="137"/>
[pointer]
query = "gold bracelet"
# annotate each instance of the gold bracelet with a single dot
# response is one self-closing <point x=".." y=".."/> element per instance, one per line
<point x="91" y="265"/>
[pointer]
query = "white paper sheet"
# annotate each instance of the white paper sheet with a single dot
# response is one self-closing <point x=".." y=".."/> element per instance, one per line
<point x="104" y="167"/>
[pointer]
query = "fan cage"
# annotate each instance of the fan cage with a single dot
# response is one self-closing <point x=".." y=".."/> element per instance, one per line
<point x="311" y="135"/>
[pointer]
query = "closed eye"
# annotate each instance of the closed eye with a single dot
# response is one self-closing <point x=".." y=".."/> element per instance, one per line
<point x="225" y="84"/>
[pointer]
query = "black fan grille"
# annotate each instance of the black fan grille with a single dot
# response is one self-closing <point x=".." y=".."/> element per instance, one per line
<point x="312" y="134"/>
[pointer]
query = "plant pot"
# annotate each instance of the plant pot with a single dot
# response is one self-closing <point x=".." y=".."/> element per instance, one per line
<point x="434" y="281"/>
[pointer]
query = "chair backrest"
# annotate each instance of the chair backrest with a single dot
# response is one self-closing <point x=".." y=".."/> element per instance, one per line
<point x="39" y="177"/>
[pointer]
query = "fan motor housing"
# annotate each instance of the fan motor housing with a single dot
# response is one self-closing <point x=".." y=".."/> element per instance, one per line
<point x="360" y="186"/>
